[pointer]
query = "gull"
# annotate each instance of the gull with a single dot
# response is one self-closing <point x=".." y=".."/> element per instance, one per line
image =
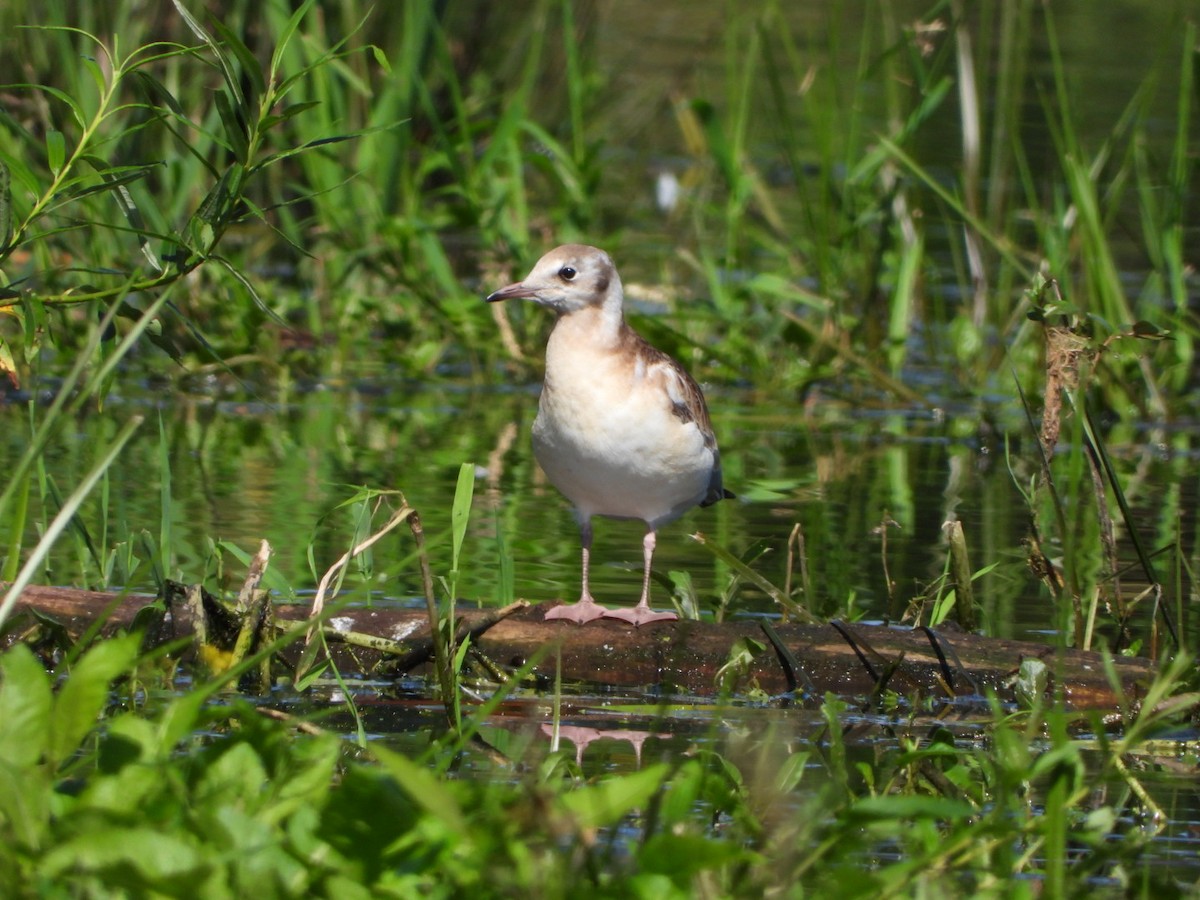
<point x="622" y="430"/>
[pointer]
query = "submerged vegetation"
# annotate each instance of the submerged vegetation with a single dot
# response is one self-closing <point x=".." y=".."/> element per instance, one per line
<point x="256" y="195"/>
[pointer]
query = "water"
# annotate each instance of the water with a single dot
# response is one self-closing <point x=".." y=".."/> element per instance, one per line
<point x="277" y="466"/>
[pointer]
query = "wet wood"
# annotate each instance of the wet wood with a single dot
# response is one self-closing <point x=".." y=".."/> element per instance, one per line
<point x="689" y="658"/>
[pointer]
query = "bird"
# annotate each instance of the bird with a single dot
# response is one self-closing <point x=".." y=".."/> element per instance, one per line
<point x="622" y="430"/>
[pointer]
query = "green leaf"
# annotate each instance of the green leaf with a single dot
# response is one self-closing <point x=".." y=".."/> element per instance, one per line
<point x="6" y="217"/>
<point x="286" y="34"/>
<point x="217" y="202"/>
<point x="8" y="370"/>
<point x="25" y="703"/>
<point x="166" y="506"/>
<point x="128" y="738"/>
<point x="235" y="128"/>
<point x="311" y="675"/>
<point x="268" y="160"/>
<point x="56" y="150"/>
<point x="128" y="786"/>
<point x="910" y="807"/>
<point x="423" y="787"/>
<point x="460" y="512"/>
<point x="678" y="804"/>
<point x="191" y="23"/>
<point x="683" y="856"/>
<point x="310" y="781"/>
<point x="742" y="654"/>
<point x="25" y="796"/>
<point x="460" y="653"/>
<point x="1063" y="762"/>
<point x="603" y="804"/>
<point x="289" y="112"/>
<point x="76" y="110"/>
<point x="227" y="72"/>
<point x="273" y="578"/>
<point x="111" y="179"/>
<point x="249" y="65"/>
<point x="157" y="91"/>
<point x="180" y="719"/>
<point x="153" y="858"/>
<point x="790" y="773"/>
<point x="99" y="77"/>
<point x="240" y="277"/>
<point x="85" y="693"/>
<point x="236" y="777"/>
<point x="381" y="59"/>
<point x="115" y="180"/>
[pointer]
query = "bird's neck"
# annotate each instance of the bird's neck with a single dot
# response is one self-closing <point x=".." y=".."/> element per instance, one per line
<point x="598" y="328"/>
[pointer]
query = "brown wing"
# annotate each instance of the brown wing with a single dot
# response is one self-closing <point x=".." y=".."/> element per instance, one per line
<point x="687" y="402"/>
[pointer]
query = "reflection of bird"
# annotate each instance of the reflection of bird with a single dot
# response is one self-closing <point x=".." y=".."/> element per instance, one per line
<point x="622" y="429"/>
<point x="581" y="737"/>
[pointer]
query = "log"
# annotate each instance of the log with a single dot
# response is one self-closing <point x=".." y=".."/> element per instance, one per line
<point x="667" y="658"/>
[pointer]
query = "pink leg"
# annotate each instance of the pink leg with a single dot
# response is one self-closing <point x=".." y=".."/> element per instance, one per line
<point x="642" y="613"/>
<point x="586" y="609"/>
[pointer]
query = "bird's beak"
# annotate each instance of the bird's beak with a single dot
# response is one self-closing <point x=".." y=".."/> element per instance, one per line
<point x="520" y="289"/>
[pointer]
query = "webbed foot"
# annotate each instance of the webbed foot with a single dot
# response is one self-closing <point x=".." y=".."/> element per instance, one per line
<point x="582" y="612"/>
<point x="639" y="615"/>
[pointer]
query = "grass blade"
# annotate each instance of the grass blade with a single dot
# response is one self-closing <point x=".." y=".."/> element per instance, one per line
<point x="460" y="513"/>
<point x="6" y="223"/>
<point x="64" y="517"/>
<point x="785" y="603"/>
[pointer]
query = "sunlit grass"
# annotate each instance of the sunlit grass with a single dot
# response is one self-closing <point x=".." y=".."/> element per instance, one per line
<point x="385" y="182"/>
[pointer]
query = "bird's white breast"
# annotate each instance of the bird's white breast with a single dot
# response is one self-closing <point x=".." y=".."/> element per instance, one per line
<point x="607" y="436"/>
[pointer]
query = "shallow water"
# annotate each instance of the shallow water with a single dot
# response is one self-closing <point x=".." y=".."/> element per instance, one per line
<point x="276" y="468"/>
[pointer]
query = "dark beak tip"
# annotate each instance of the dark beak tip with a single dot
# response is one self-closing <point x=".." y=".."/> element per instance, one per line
<point x="508" y="293"/>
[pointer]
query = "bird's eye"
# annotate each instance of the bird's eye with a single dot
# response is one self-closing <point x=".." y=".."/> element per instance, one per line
<point x="566" y="273"/>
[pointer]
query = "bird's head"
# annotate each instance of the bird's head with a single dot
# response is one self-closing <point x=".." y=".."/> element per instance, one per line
<point x="568" y="279"/>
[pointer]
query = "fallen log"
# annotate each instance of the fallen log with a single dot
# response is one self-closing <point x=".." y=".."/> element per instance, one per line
<point x="668" y="658"/>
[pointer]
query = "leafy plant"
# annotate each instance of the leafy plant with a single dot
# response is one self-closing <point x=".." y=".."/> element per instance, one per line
<point x="64" y="202"/>
<point x="96" y="797"/>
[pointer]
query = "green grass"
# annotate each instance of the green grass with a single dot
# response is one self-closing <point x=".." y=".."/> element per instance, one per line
<point x="361" y="155"/>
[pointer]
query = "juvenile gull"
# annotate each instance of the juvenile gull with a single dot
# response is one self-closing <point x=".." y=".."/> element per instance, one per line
<point x="622" y="429"/>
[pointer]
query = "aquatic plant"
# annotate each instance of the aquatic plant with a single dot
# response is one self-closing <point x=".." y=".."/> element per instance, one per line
<point x="120" y="809"/>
